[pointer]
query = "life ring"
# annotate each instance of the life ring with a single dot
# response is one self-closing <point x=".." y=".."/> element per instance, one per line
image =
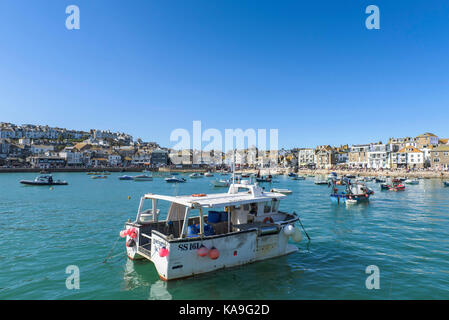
<point x="268" y="219"/>
<point x="199" y="195"/>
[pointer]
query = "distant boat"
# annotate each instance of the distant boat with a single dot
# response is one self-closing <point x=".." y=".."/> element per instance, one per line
<point x="125" y="177"/>
<point x="99" y="177"/>
<point x="322" y="182"/>
<point x="379" y="180"/>
<point x="143" y="177"/>
<point x="291" y="174"/>
<point x="220" y="183"/>
<point x="283" y="191"/>
<point x="44" y="180"/>
<point x="195" y="175"/>
<point x="174" y="180"/>
<point x="411" y="181"/>
<point x="446" y="183"/>
<point x="208" y="174"/>
<point x="299" y="178"/>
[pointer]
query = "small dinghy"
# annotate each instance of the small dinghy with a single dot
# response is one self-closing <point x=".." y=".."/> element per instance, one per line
<point x="175" y="180"/>
<point x="446" y="183"/>
<point x="208" y="174"/>
<point x="143" y="177"/>
<point x="283" y="191"/>
<point x="322" y="182"/>
<point x="44" y="180"/>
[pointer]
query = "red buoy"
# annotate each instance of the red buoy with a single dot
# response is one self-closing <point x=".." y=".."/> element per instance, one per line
<point x="214" y="253"/>
<point x="202" y="251"/>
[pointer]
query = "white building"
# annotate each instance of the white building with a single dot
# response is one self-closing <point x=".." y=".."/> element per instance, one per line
<point x="306" y="157"/>
<point x="40" y="149"/>
<point x="378" y="156"/>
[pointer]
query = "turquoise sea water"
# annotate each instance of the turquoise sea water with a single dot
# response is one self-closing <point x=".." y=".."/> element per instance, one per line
<point x="43" y="231"/>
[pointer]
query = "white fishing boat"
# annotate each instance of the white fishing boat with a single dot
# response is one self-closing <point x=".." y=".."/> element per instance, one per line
<point x="322" y="182"/>
<point x="283" y="191"/>
<point x="208" y="174"/>
<point x="201" y="233"/>
<point x="143" y="177"/>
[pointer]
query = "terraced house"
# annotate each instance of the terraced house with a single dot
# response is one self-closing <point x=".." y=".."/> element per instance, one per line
<point x="439" y="157"/>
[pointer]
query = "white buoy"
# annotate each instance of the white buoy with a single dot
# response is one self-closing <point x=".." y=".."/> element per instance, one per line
<point x="297" y="235"/>
<point x="289" y="230"/>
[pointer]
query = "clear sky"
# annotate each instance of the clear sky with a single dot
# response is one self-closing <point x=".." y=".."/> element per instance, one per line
<point x="308" y="68"/>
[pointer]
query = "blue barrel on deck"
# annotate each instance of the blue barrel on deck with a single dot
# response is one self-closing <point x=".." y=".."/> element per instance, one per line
<point x="213" y="216"/>
<point x="223" y="216"/>
<point x="192" y="231"/>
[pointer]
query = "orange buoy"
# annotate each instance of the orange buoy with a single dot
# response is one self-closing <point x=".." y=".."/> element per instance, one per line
<point x="202" y="251"/>
<point x="214" y="253"/>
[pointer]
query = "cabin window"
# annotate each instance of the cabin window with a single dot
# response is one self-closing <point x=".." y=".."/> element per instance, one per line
<point x="267" y="207"/>
<point x="246" y="207"/>
<point x="274" y="205"/>
<point x="253" y="209"/>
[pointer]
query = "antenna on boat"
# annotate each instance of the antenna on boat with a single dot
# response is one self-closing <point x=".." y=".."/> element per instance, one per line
<point x="233" y="167"/>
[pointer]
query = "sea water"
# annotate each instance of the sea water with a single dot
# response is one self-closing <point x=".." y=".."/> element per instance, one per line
<point x="44" y="230"/>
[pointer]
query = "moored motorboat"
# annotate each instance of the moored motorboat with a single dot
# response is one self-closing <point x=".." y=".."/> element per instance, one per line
<point x="322" y="182"/>
<point x="195" y="175"/>
<point x="143" y="177"/>
<point x="208" y="174"/>
<point x="99" y="177"/>
<point x="283" y="191"/>
<point x="411" y="181"/>
<point x="201" y="232"/>
<point x="125" y="177"/>
<point x="353" y="191"/>
<point x="175" y="180"/>
<point x="44" y="180"/>
<point x="446" y="183"/>
<point x="220" y="183"/>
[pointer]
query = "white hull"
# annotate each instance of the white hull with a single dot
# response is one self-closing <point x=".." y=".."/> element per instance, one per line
<point x="235" y="250"/>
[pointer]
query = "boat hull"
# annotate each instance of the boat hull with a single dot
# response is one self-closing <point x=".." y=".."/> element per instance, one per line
<point x="34" y="183"/>
<point x="235" y="249"/>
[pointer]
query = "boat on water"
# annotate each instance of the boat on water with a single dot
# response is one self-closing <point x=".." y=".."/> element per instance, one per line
<point x="207" y="232"/>
<point x="396" y="185"/>
<point x="195" y="175"/>
<point x="99" y="177"/>
<point x="283" y="191"/>
<point x="175" y="180"/>
<point x="292" y="174"/>
<point x="354" y="191"/>
<point x="143" y="177"/>
<point x="350" y="176"/>
<point x="220" y="183"/>
<point x="299" y="178"/>
<point x="332" y="175"/>
<point x="322" y="182"/>
<point x="412" y="181"/>
<point x="246" y="175"/>
<point x="380" y="180"/>
<point x="44" y="180"/>
<point x="446" y="183"/>
<point x="208" y="174"/>
<point x="125" y="177"/>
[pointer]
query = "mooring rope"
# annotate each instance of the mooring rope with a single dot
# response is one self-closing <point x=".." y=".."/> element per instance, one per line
<point x="110" y="251"/>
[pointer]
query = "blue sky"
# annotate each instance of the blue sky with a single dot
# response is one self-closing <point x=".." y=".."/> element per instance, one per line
<point x="308" y="68"/>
